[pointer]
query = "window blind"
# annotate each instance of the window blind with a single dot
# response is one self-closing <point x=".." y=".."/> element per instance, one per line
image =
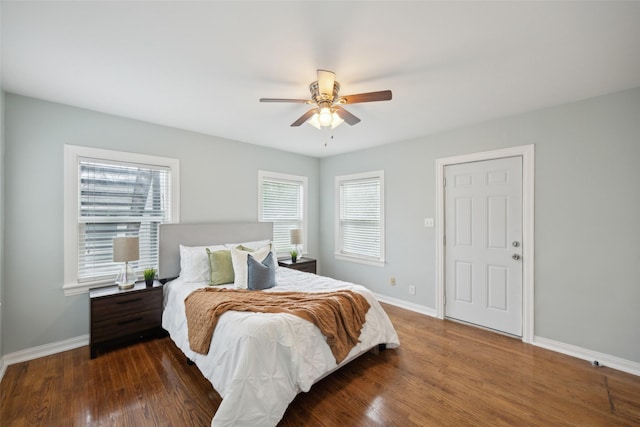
<point x="118" y="200"/>
<point x="360" y="217"/>
<point x="282" y="204"/>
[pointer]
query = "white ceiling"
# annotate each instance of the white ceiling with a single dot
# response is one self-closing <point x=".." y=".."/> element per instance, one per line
<point x="202" y="66"/>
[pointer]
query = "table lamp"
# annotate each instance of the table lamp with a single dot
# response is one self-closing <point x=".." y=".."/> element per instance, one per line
<point x="296" y="239"/>
<point x="126" y="249"/>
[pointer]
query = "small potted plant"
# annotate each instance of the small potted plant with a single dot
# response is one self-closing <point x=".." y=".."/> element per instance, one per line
<point x="294" y="255"/>
<point x="149" y="276"/>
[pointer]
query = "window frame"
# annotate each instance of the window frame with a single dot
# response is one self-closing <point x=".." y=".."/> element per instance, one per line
<point x="73" y="155"/>
<point x="289" y="178"/>
<point x="338" y="247"/>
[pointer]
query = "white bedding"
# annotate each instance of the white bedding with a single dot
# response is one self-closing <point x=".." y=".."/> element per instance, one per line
<point x="258" y="362"/>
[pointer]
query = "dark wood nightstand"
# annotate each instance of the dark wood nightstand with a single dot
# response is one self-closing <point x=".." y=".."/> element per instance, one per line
<point x="303" y="264"/>
<point x="125" y="314"/>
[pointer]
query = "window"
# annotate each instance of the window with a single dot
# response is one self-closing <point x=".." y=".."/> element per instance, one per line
<point x="282" y="199"/>
<point x="360" y="217"/>
<point x="113" y="194"/>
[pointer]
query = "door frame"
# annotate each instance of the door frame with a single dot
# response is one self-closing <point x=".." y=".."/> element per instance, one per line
<point x="527" y="152"/>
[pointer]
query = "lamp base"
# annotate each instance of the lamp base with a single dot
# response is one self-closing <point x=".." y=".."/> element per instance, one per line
<point x="126" y="278"/>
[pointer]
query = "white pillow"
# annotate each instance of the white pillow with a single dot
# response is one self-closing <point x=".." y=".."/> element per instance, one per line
<point x="255" y="245"/>
<point x="194" y="262"/>
<point x="239" y="261"/>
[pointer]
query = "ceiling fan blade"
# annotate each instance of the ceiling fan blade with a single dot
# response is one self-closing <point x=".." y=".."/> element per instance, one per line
<point x="347" y="116"/>
<point x="306" y="116"/>
<point x="297" y="101"/>
<point x="383" y="95"/>
<point x="325" y="82"/>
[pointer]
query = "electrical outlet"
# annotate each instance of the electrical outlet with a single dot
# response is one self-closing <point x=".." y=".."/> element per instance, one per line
<point x="392" y="281"/>
<point x="412" y="290"/>
<point x="428" y="222"/>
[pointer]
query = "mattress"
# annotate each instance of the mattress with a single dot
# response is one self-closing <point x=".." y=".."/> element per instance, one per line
<point x="258" y="362"/>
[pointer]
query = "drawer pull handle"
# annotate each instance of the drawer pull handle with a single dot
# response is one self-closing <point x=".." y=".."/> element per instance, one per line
<point x="129" y="301"/>
<point x="137" y="319"/>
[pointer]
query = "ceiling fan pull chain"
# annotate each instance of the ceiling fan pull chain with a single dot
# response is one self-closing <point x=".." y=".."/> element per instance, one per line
<point x="328" y="134"/>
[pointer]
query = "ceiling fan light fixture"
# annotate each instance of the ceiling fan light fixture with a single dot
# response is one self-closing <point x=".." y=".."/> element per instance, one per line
<point x="325" y="116"/>
<point x="334" y="120"/>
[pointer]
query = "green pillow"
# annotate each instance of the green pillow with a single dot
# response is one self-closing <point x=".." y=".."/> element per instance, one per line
<point x="221" y="267"/>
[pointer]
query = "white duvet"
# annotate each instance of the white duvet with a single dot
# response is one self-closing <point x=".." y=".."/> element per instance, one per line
<point x="258" y="362"/>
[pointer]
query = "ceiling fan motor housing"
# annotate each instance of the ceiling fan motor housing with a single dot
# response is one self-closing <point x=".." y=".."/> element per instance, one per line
<point x="324" y="98"/>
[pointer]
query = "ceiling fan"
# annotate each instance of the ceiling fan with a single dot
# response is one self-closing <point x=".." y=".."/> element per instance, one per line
<point x="327" y="111"/>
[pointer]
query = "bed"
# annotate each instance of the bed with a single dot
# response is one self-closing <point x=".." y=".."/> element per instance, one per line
<point x="257" y="362"/>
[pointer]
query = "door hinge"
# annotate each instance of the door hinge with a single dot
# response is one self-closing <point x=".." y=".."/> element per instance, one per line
<point x="444" y="240"/>
<point x="444" y="182"/>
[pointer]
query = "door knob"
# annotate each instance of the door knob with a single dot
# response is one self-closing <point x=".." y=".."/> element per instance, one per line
<point x="516" y="257"/>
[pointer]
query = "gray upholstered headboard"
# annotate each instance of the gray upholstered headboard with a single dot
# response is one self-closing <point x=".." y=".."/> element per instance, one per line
<point x="174" y="235"/>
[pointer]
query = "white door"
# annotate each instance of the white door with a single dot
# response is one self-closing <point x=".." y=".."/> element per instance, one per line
<point x="483" y="243"/>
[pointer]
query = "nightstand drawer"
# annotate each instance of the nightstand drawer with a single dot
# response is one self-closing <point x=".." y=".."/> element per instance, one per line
<point x="307" y="265"/>
<point x="124" y="325"/>
<point x="127" y="303"/>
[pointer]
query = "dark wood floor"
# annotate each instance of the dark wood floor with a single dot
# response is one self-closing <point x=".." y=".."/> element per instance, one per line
<point x="444" y="374"/>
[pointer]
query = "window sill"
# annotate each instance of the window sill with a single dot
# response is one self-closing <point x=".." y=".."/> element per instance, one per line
<point x="359" y="260"/>
<point x="71" y="289"/>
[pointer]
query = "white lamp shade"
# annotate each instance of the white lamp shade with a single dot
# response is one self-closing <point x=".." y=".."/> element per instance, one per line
<point x="296" y="236"/>
<point x="325" y="117"/>
<point x="126" y="249"/>
<point x="313" y="121"/>
<point x="337" y="120"/>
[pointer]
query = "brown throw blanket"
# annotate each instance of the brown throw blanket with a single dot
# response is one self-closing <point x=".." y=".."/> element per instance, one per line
<point x="339" y="315"/>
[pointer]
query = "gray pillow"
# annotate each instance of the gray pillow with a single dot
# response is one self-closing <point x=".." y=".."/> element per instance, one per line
<point x="261" y="275"/>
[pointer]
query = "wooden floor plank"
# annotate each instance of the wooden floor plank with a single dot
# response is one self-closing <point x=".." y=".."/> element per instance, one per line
<point x="444" y="373"/>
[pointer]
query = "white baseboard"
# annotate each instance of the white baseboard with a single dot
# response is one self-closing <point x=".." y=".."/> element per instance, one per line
<point x="589" y="355"/>
<point x="568" y="349"/>
<point x="3" y="367"/>
<point x="422" y="309"/>
<point x="44" y="350"/>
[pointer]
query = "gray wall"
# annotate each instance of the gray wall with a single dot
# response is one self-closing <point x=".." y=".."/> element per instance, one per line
<point x="587" y="209"/>
<point x="218" y="183"/>
<point x="587" y="216"/>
